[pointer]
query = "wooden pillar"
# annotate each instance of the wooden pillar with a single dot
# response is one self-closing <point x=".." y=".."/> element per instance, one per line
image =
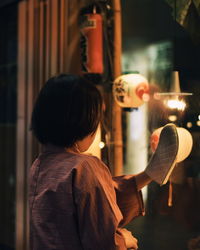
<point x="21" y="185"/>
<point x="116" y="109"/>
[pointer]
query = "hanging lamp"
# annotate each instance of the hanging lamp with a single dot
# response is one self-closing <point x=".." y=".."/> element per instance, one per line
<point x="174" y="99"/>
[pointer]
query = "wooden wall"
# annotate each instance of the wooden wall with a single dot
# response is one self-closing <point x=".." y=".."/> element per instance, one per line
<point x="48" y="44"/>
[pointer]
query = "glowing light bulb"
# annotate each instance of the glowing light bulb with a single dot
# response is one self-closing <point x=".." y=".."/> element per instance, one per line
<point x="189" y="124"/>
<point x="173" y="99"/>
<point x="176" y="104"/>
<point x="101" y="144"/>
<point x="172" y="118"/>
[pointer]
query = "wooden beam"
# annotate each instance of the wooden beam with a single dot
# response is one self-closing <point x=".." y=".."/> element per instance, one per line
<point x="42" y="39"/>
<point x="73" y="64"/>
<point x="63" y="34"/>
<point x="21" y="128"/>
<point x="54" y="37"/>
<point x="116" y="109"/>
<point x="47" y="39"/>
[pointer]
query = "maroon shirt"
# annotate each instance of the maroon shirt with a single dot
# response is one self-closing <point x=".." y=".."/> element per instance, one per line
<point x="76" y="204"/>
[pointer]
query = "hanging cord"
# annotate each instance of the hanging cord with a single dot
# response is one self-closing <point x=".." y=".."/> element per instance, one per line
<point x="170" y="195"/>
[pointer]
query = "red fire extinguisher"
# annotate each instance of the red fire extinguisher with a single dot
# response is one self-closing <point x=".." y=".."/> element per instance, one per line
<point x="92" y="43"/>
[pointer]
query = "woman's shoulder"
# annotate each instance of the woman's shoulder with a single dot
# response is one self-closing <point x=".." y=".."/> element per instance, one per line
<point x="91" y="161"/>
<point x="91" y="169"/>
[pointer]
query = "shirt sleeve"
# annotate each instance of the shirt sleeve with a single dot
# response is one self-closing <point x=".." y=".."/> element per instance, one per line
<point x="98" y="215"/>
<point x="129" y="199"/>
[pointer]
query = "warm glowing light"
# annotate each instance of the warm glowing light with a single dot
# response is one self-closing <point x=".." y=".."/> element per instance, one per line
<point x="198" y="123"/>
<point x="145" y="97"/>
<point x="176" y="104"/>
<point x="189" y="124"/>
<point x="101" y="144"/>
<point x="172" y="118"/>
<point x="199" y="117"/>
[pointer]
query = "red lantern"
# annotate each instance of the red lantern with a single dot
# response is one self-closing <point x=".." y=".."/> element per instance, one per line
<point x="92" y="43"/>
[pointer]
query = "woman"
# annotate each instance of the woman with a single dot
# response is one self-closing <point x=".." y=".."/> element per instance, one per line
<point x="74" y="201"/>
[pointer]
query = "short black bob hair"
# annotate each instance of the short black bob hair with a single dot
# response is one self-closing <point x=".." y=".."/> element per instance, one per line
<point x="68" y="108"/>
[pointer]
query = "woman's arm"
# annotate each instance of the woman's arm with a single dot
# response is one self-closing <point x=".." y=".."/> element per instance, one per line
<point x="129" y="196"/>
<point x="98" y="215"/>
<point x="142" y="180"/>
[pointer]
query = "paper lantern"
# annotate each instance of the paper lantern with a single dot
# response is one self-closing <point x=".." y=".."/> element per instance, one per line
<point x="185" y="142"/>
<point x="131" y="90"/>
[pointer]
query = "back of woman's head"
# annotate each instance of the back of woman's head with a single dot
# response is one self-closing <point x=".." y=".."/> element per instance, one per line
<point x="68" y="108"/>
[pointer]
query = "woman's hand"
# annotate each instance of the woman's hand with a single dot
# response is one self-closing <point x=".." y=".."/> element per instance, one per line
<point x="130" y="240"/>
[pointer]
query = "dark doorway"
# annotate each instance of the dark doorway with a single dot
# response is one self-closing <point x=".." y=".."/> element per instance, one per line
<point x="8" y="80"/>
